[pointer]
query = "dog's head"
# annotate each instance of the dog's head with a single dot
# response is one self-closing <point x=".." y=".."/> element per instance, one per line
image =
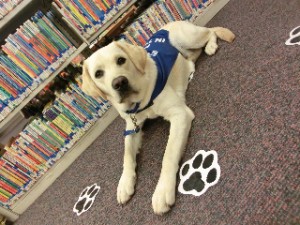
<point x="115" y="72"/>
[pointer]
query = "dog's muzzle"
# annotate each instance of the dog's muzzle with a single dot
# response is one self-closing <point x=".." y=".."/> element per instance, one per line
<point x="122" y="86"/>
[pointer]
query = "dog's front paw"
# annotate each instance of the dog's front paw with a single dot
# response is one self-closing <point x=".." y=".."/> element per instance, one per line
<point x="126" y="187"/>
<point x="163" y="197"/>
<point x="211" y="48"/>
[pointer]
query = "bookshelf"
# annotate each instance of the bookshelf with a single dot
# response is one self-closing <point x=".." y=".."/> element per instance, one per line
<point x="60" y="166"/>
<point x="7" y="122"/>
<point x="18" y="207"/>
<point x="210" y="12"/>
<point x="106" y="25"/>
<point x="18" y="9"/>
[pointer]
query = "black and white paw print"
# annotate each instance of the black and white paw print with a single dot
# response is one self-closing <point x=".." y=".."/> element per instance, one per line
<point x="86" y="199"/>
<point x="199" y="173"/>
<point x="294" y="38"/>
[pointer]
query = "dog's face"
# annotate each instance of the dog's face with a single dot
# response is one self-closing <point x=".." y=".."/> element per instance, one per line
<point x="115" y="72"/>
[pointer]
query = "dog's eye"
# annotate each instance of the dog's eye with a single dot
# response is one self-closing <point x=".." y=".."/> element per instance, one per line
<point x="99" y="74"/>
<point x="121" y="60"/>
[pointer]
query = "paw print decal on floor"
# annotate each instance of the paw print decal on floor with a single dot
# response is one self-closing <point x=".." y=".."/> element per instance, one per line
<point x="86" y="199"/>
<point x="199" y="173"/>
<point x="294" y="37"/>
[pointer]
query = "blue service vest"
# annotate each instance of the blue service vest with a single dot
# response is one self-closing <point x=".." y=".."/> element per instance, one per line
<point x="164" y="55"/>
<point x="162" y="52"/>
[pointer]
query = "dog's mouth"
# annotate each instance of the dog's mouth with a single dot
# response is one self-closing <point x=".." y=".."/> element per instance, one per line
<point x="126" y="94"/>
<point x="122" y="86"/>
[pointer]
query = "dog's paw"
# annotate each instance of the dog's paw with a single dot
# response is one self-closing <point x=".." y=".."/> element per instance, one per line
<point x="86" y="199"/>
<point x="211" y="48"/>
<point x="199" y="173"/>
<point x="126" y="187"/>
<point x="163" y="197"/>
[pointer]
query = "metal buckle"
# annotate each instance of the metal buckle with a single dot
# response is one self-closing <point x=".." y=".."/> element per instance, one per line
<point x="134" y="121"/>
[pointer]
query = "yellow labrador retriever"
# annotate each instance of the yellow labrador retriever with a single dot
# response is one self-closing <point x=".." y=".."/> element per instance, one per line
<point x="149" y="82"/>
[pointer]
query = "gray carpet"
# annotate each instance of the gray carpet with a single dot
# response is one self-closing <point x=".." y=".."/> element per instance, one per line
<point x="247" y="104"/>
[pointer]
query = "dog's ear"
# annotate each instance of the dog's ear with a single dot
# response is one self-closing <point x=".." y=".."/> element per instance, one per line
<point x="136" y="54"/>
<point x="88" y="85"/>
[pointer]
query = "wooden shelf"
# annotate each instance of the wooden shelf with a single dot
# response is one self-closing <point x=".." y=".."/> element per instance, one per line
<point x="14" y="12"/>
<point x="8" y="214"/>
<point x="209" y="12"/>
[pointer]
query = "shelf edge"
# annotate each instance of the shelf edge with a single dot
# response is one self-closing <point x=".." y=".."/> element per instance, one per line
<point x="14" y="12"/>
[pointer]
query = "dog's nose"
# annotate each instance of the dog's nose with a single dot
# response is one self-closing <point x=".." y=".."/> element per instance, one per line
<point x="120" y="83"/>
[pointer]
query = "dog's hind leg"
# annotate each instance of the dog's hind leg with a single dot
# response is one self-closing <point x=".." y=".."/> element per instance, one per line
<point x="220" y="32"/>
<point x="211" y="46"/>
<point x="189" y="39"/>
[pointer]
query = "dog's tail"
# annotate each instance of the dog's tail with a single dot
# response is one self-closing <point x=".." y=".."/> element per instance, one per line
<point x="223" y="33"/>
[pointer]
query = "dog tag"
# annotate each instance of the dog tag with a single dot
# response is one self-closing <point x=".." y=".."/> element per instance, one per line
<point x="191" y="76"/>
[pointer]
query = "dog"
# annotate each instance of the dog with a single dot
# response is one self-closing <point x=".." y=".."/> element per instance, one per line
<point x="148" y="82"/>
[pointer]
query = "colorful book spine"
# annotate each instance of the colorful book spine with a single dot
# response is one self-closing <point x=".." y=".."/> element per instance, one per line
<point x="160" y="13"/>
<point x="28" y="57"/>
<point x="86" y="17"/>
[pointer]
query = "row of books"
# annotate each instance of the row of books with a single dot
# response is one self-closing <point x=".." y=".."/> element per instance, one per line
<point x="28" y="57"/>
<point x="86" y="17"/>
<point x="45" y="139"/>
<point x="7" y="6"/>
<point x="160" y="13"/>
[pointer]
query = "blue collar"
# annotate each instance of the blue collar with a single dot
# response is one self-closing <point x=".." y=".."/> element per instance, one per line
<point x="159" y="86"/>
